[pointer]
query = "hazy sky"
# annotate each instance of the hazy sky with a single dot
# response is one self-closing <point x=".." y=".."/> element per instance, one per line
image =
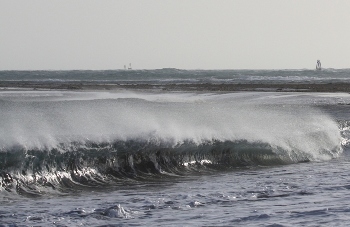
<point x="186" y="34"/>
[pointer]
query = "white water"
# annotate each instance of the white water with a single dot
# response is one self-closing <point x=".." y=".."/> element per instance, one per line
<point x="43" y="120"/>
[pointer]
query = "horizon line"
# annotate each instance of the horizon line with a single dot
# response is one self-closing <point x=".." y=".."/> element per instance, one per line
<point x="171" y="68"/>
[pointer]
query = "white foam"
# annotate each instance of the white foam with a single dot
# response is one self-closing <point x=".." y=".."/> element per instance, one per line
<point x="175" y="118"/>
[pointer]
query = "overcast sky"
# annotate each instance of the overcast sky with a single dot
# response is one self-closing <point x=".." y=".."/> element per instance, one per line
<point x="185" y="34"/>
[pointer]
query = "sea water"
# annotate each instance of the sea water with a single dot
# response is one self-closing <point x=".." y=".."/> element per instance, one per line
<point x="153" y="158"/>
<point x="178" y="76"/>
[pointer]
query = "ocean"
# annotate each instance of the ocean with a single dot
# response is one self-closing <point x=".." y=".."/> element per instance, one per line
<point x="152" y="157"/>
<point x="178" y="76"/>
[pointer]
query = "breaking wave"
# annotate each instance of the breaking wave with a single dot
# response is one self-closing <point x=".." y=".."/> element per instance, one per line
<point x="58" y="146"/>
<point x="90" y="164"/>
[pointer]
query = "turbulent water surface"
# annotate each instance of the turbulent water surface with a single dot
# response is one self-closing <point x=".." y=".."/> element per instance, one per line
<point x="172" y="75"/>
<point x="152" y="158"/>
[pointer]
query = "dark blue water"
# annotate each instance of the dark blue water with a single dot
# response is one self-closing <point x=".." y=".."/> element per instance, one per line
<point x="152" y="159"/>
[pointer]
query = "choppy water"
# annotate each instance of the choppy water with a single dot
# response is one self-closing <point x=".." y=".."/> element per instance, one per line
<point x="153" y="159"/>
<point x="170" y="75"/>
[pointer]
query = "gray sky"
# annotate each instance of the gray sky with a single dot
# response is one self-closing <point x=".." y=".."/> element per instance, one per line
<point x="186" y="34"/>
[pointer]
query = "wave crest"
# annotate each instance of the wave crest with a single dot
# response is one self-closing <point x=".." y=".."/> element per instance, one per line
<point x="91" y="165"/>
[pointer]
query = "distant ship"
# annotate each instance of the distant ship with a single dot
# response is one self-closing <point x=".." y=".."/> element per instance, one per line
<point x="129" y="66"/>
<point x="318" y="65"/>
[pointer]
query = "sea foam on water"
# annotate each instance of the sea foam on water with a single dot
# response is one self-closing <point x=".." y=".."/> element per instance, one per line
<point x="43" y="124"/>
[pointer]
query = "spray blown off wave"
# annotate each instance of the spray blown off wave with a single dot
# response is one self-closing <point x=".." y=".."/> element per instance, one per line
<point x="73" y="143"/>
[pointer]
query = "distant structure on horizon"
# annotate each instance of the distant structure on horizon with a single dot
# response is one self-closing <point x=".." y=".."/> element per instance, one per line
<point x="128" y="67"/>
<point x="318" y="65"/>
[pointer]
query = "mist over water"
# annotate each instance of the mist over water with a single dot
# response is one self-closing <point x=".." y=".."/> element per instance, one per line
<point x="36" y="124"/>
